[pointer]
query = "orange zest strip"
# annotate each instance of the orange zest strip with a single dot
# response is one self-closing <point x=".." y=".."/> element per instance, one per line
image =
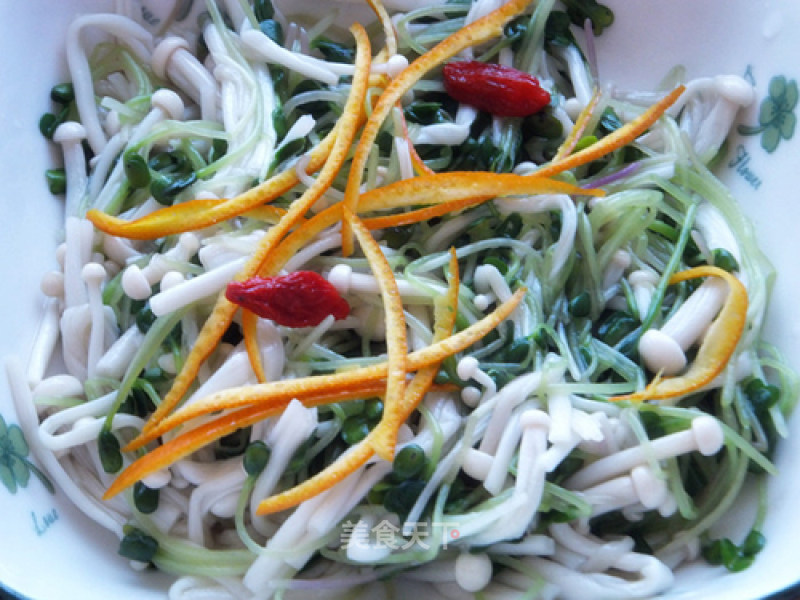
<point x="185" y="444"/>
<point x="197" y="214"/>
<point x="344" y="466"/>
<point x="349" y="122"/>
<point x="422" y="214"/>
<point x="222" y="315"/>
<point x="274" y="393"/>
<point x="458" y="185"/>
<point x="174" y="219"/>
<point x="459" y="189"/>
<point x="356" y="456"/>
<point x="580" y="126"/>
<point x="614" y="140"/>
<point x="164" y="221"/>
<point x="478" y="31"/>
<point x="268" y="213"/>
<point x="429" y="189"/>
<point x="250" y="334"/>
<point x="445" y="314"/>
<point x="383" y="442"/>
<point x="716" y="349"/>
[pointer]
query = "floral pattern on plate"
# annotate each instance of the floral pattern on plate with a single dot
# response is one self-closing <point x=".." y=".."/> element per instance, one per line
<point x="776" y="118"/>
<point x="15" y="466"/>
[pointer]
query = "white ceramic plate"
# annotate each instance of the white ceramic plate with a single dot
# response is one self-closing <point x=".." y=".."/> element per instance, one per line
<point x="49" y="550"/>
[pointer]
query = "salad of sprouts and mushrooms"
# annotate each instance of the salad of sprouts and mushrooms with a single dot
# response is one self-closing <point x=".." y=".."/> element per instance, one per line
<point x="392" y="298"/>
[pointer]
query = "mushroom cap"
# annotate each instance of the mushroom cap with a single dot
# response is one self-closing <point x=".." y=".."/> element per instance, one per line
<point x="661" y="353"/>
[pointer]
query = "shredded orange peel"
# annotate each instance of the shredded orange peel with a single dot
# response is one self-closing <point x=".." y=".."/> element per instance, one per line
<point x="250" y="335"/>
<point x="580" y="126"/>
<point x="188" y="442"/>
<point x="224" y="311"/>
<point x="199" y="214"/>
<point x="716" y="348"/>
<point x="480" y="30"/>
<point x="445" y="192"/>
<point x="441" y="192"/>
<point x="614" y="140"/>
<point x="359" y="454"/>
<point x="183" y="217"/>
<point x="384" y="438"/>
<point x="274" y="393"/>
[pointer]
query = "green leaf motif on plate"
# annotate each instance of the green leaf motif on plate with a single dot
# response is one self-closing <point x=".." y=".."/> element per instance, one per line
<point x="15" y="467"/>
<point x="776" y="118"/>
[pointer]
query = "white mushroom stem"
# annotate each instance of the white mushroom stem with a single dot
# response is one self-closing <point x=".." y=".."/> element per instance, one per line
<point x="260" y="47"/>
<point x="477" y="463"/>
<point x="714" y="232"/>
<point x="208" y="495"/>
<point x="705" y="436"/>
<point x="234" y="10"/>
<point x="498" y="472"/>
<point x="137" y="281"/>
<point x="129" y="33"/>
<point x="103" y="163"/>
<point x="491" y="283"/>
<point x="173" y="60"/>
<point x="559" y="407"/>
<point x="79" y="237"/>
<point x="536" y="426"/>
<point x="647" y="576"/>
<point x="728" y="93"/>
<point x="469" y="368"/>
<point x="578" y="74"/>
<point x="194" y="289"/>
<point x="118" y="249"/>
<point x="44" y="343"/>
<point x="642" y="486"/>
<point x="511" y="396"/>
<point x="286" y="539"/>
<point x="530" y="545"/>
<point x="119" y="355"/>
<point x="94" y="275"/>
<point x="524" y="503"/>
<point x="294" y="427"/>
<point x="313" y="250"/>
<point x="70" y="135"/>
<point x="165" y="104"/>
<point x="59" y="386"/>
<point x="360" y="548"/>
<point x="346" y="281"/>
<point x="663" y="350"/>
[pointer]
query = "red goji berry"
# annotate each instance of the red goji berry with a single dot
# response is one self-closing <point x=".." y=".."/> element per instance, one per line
<point x="298" y="299"/>
<point x="496" y="89"/>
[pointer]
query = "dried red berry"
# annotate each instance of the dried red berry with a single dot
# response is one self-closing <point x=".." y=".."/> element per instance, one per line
<point x="496" y="89"/>
<point x="298" y="299"/>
